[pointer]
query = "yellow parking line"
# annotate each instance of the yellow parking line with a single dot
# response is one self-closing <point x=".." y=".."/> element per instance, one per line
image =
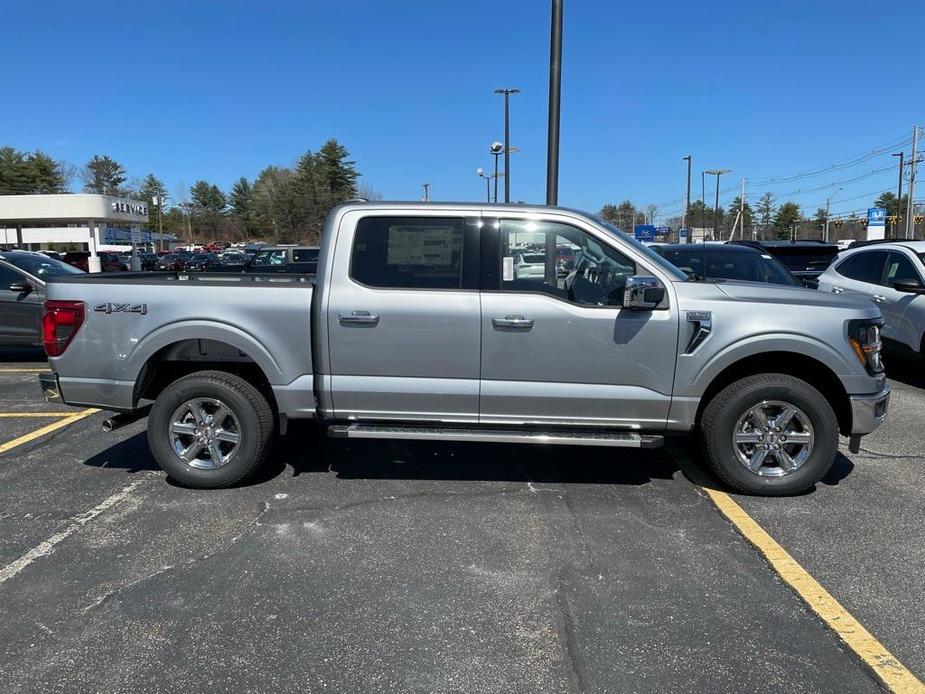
<point x="885" y="665"/>
<point x="54" y="426"/>
<point x="11" y="415"/>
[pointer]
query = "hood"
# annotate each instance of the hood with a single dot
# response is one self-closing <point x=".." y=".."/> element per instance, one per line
<point x="794" y="296"/>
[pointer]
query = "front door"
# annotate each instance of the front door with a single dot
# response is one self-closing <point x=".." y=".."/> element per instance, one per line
<point x="403" y="320"/>
<point x="899" y="321"/>
<point x="558" y="348"/>
<point x="20" y="311"/>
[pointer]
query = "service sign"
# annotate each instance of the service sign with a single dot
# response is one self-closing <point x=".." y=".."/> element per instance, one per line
<point x="876" y="217"/>
<point x="137" y="209"/>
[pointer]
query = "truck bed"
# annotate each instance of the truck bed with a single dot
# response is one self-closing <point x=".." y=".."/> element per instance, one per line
<point x="134" y="316"/>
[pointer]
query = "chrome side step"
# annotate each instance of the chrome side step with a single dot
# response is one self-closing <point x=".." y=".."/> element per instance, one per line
<point x="569" y="438"/>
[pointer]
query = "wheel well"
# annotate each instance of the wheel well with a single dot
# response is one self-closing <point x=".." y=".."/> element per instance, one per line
<point x="187" y="356"/>
<point x="797" y="365"/>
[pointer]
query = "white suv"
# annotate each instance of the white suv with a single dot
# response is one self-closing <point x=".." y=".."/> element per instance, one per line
<point x="892" y="275"/>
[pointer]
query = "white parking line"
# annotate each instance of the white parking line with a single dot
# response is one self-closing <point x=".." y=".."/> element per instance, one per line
<point x="74" y="524"/>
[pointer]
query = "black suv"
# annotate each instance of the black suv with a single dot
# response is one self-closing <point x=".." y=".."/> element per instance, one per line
<point x="289" y="259"/>
<point x="805" y="259"/>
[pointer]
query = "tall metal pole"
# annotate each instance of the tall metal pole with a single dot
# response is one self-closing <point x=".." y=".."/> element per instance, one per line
<point x="703" y="201"/>
<point x="506" y="91"/>
<point x="687" y="200"/>
<point x="716" y="210"/>
<point x="426" y="187"/>
<point x="741" y="212"/>
<point x="825" y="228"/>
<point x="160" y="221"/>
<point x="497" y="154"/>
<point x="910" y="207"/>
<point x="555" y="93"/>
<point x="899" y="194"/>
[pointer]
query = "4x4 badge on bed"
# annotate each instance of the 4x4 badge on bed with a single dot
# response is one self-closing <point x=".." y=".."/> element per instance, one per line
<point x="121" y="308"/>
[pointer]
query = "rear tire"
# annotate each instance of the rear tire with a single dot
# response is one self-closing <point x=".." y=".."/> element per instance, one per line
<point x="210" y="429"/>
<point x="770" y="434"/>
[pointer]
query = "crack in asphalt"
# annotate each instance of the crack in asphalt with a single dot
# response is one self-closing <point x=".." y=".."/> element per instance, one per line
<point x="251" y="526"/>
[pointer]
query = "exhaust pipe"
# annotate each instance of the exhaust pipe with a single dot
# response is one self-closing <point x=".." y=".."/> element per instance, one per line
<point x="120" y="420"/>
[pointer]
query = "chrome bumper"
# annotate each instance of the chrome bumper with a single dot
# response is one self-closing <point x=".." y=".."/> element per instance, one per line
<point x="869" y="411"/>
<point x="48" y="380"/>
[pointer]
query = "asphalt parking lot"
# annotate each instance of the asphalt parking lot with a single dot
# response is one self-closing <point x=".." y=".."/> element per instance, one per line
<point x="367" y="567"/>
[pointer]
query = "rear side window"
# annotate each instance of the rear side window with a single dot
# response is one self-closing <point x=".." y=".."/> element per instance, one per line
<point x="866" y="266"/>
<point x="408" y="253"/>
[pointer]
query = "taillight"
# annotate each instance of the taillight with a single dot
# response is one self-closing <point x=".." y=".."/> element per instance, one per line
<point x="60" y="322"/>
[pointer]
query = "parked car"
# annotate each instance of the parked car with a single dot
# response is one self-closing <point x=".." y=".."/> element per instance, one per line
<point x="172" y="262"/>
<point x="52" y="254"/>
<point x="110" y="262"/>
<point x="291" y="259"/>
<point x="806" y="260"/>
<point x="410" y="331"/>
<point x="722" y="261"/>
<point x="22" y="293"/>
<point x="148" y="261"/>
<point x="200" y="262"/>
<point x="892" y="275"/>
<point x="529" y="265"/>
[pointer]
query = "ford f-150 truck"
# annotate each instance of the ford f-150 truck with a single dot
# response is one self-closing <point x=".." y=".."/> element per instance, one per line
<point x="417" y="326"/>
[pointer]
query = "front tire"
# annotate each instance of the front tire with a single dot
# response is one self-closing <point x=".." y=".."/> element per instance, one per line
<point x="210" y="429"/>
<point x="770" y="434"/>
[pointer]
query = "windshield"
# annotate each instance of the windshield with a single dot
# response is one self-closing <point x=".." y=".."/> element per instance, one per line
<point x="42" y="266"/>
<point x="644" y="250"/>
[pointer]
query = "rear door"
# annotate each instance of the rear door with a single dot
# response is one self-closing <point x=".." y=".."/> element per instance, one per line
<point x="403" y="318"/>
<point x="860" y="272"/>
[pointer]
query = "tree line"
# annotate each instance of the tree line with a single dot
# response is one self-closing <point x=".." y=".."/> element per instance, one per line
<point x="282" y="204"/>
<point x="767" y="219"/>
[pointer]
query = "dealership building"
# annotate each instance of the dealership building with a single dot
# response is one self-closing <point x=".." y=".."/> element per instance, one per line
<point x="96" y="222"/>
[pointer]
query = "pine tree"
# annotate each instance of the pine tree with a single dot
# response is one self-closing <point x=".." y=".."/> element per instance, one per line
<point x="104" y="176"/>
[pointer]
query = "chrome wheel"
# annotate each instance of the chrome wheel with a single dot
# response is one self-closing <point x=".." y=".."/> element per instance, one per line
<point x="773" y="438"/>
<point x="204" y="433"/>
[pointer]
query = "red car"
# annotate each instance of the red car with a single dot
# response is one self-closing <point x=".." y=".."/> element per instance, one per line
<point x="80" y="259"/>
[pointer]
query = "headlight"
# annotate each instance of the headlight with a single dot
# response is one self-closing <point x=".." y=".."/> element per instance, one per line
<point x="864" y="338"/>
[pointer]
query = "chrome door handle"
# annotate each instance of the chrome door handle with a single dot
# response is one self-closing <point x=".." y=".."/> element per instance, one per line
<point x="837" y="290"/>
<point x="516" y="322"/>
<point x="364" y="318"/>
<point x="878" y="298"/>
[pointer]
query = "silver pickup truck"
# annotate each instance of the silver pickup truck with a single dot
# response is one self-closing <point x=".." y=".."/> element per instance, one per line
<point x="418" y="325"/>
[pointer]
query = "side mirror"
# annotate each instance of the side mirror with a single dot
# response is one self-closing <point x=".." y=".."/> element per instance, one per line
<point x="909" y="286"/>
<point x="642" y="293"/>
<point x="23" y="287"/>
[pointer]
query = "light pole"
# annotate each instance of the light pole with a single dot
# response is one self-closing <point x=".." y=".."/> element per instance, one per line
<point x="555" y="95"/>
<point x="507" y="91"/>
<point x="426" y="187"/>
<point x="703" y="201"/>
<point x="899" y="194"/>
<point x="717" y="173"/>
<point x="687" y="200"/>
<point x="481" y="172"/>
<point x="495" y="150"/>
<point x="828" y="202"/>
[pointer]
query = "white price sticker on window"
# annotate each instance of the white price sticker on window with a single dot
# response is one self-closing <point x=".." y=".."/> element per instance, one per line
<point x="507" y="268"/>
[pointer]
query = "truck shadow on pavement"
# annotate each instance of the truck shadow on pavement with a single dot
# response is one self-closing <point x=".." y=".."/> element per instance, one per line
<point x="22" y="355"/>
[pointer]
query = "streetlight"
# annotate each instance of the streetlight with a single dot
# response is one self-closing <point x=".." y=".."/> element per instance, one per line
<point x="481" y="172"/>
<point x="507" y="91"/>
<point x="495" y="150"/>
<point x="899" y="193"/>
<point x="687" y="200"/>
<point x="717" y="173"/>
<point x="828" y="201"/>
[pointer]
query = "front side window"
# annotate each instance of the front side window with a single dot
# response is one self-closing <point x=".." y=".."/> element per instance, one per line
<point x="8" y="278"/>
<point x="899" y="268"/>
<point x="44" y="267"/>
<point x="408" y="253"/>
<point x="562" y="261"/>
<point x="866" y="266"/>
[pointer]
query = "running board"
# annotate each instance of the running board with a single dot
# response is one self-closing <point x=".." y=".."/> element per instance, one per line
<point x="568" y="438"/>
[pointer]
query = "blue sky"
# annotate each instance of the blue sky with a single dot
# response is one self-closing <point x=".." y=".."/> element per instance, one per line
<point x="217" y="90"/>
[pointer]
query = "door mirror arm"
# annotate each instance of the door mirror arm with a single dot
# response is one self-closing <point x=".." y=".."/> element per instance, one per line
<point x="23" y="287"/>
<point x="909" y="286"/>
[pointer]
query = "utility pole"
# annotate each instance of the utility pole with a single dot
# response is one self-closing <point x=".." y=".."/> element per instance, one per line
<point x="687" y="200"/>
<point x="159" y="201"/>
<point x="703" y="201"/>
<point x="507" y="139"/>
<point x="741" y="211"/>
<point x="426" y="187"/>
<point x="825" y="227"/>
<point x="899" y="195"/>
<point x="555" y="94"/>
<point x="910" y="207"/>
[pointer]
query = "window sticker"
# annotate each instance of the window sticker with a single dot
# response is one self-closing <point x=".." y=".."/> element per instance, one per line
<point x="507" y="268"/>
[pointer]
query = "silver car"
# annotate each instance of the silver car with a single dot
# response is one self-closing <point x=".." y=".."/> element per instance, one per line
<point x="892" y="275"/>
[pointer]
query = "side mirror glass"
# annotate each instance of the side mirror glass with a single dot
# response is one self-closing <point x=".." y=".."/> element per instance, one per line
<point x="909" y="286"/>
<point x="642" y="293"/>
